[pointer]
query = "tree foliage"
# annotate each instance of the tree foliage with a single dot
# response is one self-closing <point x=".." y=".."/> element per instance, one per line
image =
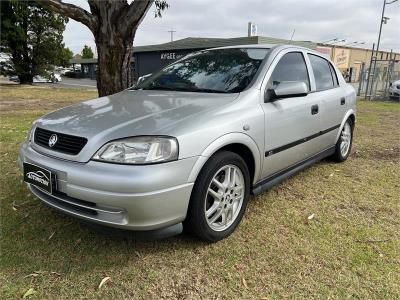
<point x="87" y="52"/>
<point x="31" y="39"/>
<point x="65" y="57"/>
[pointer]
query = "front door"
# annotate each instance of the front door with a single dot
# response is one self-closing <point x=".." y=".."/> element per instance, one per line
<point x="289" y="122"/>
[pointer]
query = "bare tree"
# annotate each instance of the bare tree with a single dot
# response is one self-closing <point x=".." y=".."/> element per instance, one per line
<point x="113" y="24"/>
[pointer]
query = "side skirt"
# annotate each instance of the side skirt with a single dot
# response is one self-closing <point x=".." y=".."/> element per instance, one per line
<point x="280" y="176"/>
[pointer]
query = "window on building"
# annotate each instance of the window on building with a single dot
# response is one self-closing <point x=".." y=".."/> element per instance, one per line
<point x="322" y="72"/>
<point x="291" y="67"/>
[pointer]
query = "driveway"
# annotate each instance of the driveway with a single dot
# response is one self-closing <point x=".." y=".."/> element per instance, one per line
<point x="72" y="83"/>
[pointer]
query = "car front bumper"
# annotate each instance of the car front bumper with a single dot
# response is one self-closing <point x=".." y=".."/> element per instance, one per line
<point x="139" y="198"/>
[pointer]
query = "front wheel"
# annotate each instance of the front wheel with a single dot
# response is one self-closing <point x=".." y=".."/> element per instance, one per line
<point x="219" y="197"/>
<point x="343" y="145"/>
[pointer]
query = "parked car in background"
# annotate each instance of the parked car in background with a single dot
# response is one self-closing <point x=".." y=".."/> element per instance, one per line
<point x="394" y="90"/>
<point x="13" y="78"/>
<point x="74" y="74"/>
<point x="190" y="143"/>
<point x="62" y="71"/>
<point x="54" y="78"/>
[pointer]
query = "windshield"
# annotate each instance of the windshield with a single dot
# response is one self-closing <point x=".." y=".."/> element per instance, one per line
<point x="213" y="71"/>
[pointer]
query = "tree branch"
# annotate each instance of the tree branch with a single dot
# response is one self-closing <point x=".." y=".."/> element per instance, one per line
<point x="93" y="7"/>
<point x="136" y="12"/>
<point x="72" y="11"/>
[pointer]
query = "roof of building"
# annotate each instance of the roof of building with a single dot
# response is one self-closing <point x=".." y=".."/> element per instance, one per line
<point x="204" y="43"/>
<point x="83" y="61"/>
<point x="352" y="47"/>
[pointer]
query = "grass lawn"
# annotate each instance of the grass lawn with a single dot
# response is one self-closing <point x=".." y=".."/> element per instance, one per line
<point x="350" y="249"/>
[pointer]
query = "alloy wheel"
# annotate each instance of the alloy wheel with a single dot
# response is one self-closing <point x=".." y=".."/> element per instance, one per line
<point x="345" y="139"/>
<point x="224" y="197"/>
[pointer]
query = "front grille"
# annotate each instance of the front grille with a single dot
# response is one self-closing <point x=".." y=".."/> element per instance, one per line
<point x="69" y="144"/>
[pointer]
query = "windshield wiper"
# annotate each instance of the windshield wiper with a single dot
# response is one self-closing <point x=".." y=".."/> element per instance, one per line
<point x="208" y="91"/>
<point x="158" y="87"/>
<point x="195" y="90"/>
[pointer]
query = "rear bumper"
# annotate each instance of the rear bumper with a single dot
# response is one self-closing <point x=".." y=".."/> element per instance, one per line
<point x="129" y="197"/>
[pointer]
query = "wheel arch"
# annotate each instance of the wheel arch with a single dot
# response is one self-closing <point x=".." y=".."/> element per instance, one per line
<point x="238" y="143"/>
<point x="350" y="114"/>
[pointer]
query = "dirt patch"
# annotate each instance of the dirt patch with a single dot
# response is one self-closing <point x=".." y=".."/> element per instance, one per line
<point x="390" y="154"/>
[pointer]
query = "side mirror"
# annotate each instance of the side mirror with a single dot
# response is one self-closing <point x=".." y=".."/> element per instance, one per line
<point x="287" y="89"/>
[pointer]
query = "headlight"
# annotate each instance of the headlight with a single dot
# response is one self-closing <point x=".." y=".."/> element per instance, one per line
<point x="139" y="150"/>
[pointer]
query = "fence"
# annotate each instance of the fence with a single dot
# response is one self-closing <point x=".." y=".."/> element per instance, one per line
<point x="375" y="79"/>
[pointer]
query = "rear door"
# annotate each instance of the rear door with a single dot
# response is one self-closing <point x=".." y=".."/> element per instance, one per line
<point x="332" y="101"/>
<point x="289" y="121"/>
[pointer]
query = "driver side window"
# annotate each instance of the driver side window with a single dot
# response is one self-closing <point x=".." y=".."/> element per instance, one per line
<point x="291" y="67"/>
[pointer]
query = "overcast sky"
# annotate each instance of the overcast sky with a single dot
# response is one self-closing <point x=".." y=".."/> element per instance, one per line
<point x="316" y="20"/>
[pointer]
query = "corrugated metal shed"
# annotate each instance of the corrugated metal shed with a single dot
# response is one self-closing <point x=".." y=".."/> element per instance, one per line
<point x="203" y="43"/>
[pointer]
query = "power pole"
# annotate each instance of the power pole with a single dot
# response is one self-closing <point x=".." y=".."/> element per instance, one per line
<point x="383" y="21"/>
<point x="172" y="34"/>
<point x="291" y="38"/>
<point x="367" y="95"/>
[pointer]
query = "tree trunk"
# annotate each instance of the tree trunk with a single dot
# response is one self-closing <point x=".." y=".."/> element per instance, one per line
<point x="23" y="61"/>
<point x="114" y="72"/>
<point x="114" y="24"/>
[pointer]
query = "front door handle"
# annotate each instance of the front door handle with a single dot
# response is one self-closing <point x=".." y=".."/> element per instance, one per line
<point x="314" y="109"/>
<point x="342" y="101"/>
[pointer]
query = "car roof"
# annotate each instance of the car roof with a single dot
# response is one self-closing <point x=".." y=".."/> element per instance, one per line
<point x="262" y="46"/>
<point x="265" y="46"/>
<point x="268" y="46"/>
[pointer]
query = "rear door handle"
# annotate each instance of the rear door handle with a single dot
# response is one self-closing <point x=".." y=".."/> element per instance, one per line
<point x="342" y="101"/>
<point x="314" y="109"/>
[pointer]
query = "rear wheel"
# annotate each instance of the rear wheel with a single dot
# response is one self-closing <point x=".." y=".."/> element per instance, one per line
<point x="219" y="197"/>
<point x="344" y="143"/>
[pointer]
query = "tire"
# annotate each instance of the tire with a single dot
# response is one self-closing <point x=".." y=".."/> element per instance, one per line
<point x="394" y="98"/>
<point x="344" y="143"/>
<point x="226" y="203"/>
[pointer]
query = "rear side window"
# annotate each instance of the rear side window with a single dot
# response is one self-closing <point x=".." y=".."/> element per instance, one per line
<point x="291" y="67"/>
<point x="322" y="73"/>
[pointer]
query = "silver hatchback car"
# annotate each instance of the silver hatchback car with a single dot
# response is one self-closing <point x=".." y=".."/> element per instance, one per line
<point x="188" y="145"/>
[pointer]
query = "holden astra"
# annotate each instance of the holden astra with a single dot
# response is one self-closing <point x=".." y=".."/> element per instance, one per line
<point x="187" y="146"/>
